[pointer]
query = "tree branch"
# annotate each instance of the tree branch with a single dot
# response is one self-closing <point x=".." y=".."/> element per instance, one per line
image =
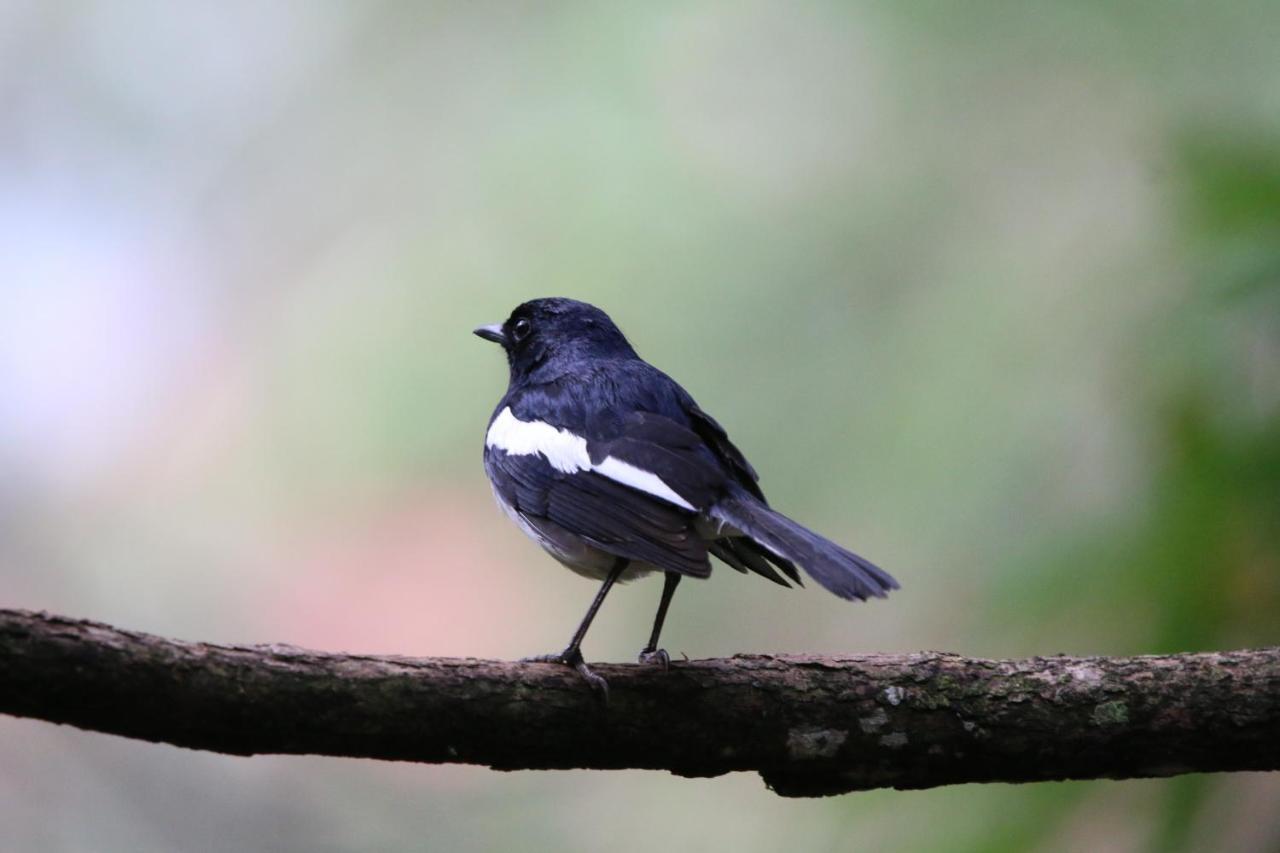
<point x="809" y="725"/>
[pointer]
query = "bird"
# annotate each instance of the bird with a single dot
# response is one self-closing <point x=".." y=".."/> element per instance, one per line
<point x="614" y="469"/>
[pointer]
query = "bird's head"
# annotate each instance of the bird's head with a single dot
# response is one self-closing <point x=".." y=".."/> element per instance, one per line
<point x="555" y="335"/>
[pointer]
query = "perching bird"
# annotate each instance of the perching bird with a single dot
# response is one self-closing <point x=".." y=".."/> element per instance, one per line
<point x="612" y="468"/>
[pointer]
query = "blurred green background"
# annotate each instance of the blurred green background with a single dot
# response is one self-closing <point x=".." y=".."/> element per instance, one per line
<point x="1018" y="264"/>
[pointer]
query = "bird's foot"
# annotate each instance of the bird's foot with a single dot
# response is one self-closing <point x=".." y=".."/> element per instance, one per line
<point x="572" y="656"/>
<point x="656" y="657"/>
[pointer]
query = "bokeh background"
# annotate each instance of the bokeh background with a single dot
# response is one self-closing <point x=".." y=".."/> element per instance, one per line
<point x="989" y="291"/>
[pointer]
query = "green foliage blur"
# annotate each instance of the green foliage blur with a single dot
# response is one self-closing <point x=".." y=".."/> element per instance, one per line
<point x="988" y="292"/>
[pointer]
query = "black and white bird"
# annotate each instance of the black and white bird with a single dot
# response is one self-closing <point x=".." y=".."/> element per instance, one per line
<point x="612" y="468"/>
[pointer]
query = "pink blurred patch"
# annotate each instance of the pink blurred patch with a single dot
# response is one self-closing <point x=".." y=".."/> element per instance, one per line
<point x="422" y="578"/>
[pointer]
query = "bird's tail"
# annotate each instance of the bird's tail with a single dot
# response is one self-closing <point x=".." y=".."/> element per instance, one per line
<point x="836" y="569"/>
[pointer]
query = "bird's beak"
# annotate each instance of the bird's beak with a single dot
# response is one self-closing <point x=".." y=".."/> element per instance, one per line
<point x="491" y="332"/>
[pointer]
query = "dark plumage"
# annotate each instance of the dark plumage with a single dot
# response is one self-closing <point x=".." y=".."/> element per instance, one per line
<point x="615" y="470"/>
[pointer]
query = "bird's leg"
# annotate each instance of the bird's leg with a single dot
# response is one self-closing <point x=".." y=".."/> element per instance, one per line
<point x="651" y="653"/>
<point x="572" y="655"/>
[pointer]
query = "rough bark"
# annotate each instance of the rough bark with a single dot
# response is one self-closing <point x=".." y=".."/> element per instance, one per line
<point x="809" y="725"/>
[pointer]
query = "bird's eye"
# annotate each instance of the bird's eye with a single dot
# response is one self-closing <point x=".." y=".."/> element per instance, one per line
<point x="520" y="330"/>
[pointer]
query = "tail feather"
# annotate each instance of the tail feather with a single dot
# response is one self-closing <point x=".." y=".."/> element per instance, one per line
<point x="746" y="556"/>
<point x="836" y="569"/>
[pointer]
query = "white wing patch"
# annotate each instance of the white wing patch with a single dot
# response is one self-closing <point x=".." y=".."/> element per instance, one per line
<point x="638" y="478"/>
<point x="567" y="452"/>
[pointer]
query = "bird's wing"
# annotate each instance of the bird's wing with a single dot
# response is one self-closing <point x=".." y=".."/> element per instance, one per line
<point x="710" y="431"/>
<point x="637" y="495"/>
<point x="666" y="450"/>
<point x="639" y="386"/>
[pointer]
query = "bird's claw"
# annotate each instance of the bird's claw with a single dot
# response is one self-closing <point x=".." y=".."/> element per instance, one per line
<point x="572" y="657"/>
<point x="597" y="682"/>
<point x="658" y="657"/>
